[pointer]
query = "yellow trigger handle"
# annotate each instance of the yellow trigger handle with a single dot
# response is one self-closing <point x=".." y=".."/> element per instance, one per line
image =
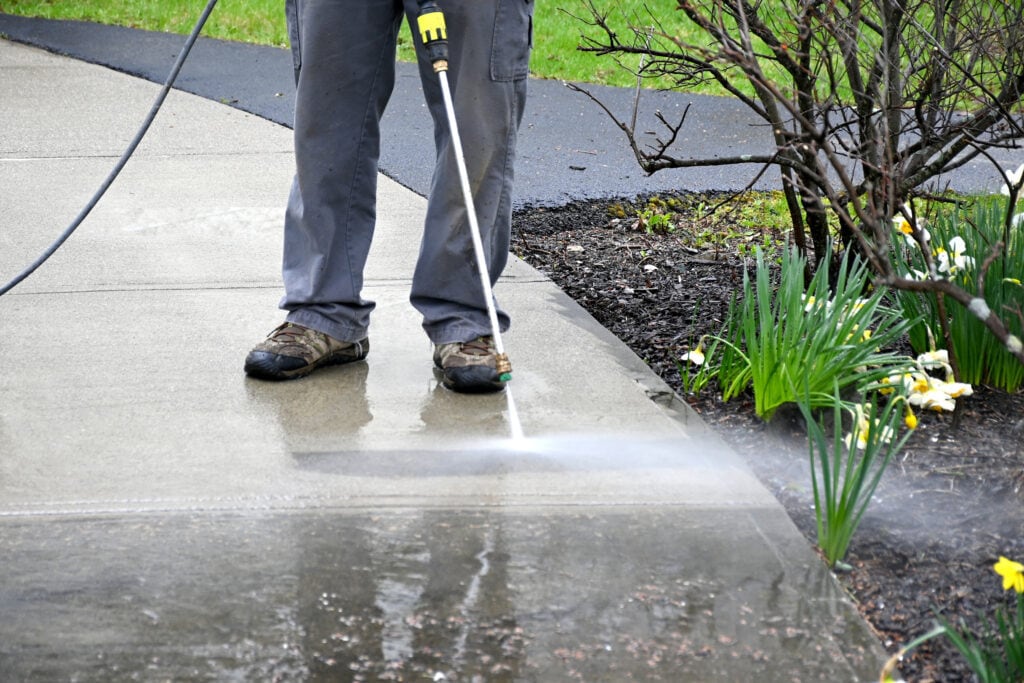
<point x="434" y="34"/>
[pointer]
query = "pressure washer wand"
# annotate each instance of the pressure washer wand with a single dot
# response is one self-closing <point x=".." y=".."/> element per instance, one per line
<point x="434" y="35"/>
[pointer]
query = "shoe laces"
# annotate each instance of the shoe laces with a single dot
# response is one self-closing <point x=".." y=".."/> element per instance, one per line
<point x="481" y="346"/>
<point x="290" y="333"/>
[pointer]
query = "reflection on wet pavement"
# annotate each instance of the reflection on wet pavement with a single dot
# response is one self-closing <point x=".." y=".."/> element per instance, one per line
<point x="440" y="595"/>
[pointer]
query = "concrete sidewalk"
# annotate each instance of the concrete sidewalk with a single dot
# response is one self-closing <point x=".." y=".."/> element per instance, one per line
<point x="164" y="518"/>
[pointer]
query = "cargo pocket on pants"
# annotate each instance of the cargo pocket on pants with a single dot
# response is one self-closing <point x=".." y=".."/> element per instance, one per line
<point x="513" y="36"/>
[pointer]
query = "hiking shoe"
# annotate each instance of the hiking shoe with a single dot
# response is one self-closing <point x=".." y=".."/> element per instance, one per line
<point x="292" y="351"/>
<point x="469" y="367"/>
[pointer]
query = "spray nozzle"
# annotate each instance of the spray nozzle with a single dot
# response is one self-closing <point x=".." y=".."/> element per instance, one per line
<point x="503" y="366"/>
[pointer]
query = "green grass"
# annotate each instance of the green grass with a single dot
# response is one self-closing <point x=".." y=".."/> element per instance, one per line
<point x="253" y="21"/>
<point x="557" y="33"/>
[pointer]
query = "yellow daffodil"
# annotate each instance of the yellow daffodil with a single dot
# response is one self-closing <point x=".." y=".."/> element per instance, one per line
<point x="1012" y="573"/>
<point x="910" y="419"/>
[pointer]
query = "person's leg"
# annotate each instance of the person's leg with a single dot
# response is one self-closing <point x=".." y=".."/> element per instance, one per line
<point x="344" y="54"/>
<point x="489" y="44"/>
<point x="345" y="66"/>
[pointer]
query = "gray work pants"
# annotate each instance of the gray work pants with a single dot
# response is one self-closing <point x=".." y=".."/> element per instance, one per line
<point x="344" y="53"/>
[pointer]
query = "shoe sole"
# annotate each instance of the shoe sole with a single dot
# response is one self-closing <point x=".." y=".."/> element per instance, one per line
<point x="471" y="379"/>
<point x="264" y="365"/>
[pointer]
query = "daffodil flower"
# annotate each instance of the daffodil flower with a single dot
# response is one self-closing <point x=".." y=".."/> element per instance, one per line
<point x="862" y="440"/>
<point x="938" y="358"/>
<point x="857" y="305"/>
<point x="906" y="228"/>
<point x="862" y="427"/>
<point x="910" y="419"/>
<point x="947" y="262"/>
<point x="910" y="382"/>
<point x="933" y="399"/>
<point x="1012" y="573"/>
<point x="960" y="258"/>
<point x="957" y="389"/>
<point x="696" y="357"/>
<point x="930" y="393"/>
<point x="1014" y="179"/>
<point x="1012" y="280"/>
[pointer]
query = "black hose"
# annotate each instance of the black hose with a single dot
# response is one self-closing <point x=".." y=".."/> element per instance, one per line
<point x="196" y="30"/>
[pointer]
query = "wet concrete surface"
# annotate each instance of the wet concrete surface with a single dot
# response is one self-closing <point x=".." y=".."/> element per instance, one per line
<point x="410" y="595"/>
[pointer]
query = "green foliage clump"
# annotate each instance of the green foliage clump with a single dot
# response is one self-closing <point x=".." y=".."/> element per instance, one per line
<point x="787" y="342"/>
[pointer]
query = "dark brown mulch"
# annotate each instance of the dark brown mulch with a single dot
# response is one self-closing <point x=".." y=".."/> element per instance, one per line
<point x="947" y="508"/>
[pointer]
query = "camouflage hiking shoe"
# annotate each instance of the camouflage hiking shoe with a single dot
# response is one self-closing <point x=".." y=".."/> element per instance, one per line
<point x="469" y="367"/>
<point x="292" y="351"/>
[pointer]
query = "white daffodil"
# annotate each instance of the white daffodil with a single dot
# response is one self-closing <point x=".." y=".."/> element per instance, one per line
<point x="695" y="357"/>
<point x="857" y="305"/>
<point x="933" y="399"/>
<point x="957" y="389"/>
<point x="929" y="392"/>
<point x="1014" y="178"/>
<point x="958" y="247"/>
<point x="936" y="359"/>
<point x="941" y="257"/>
<point x="911" y="382"/>
<point x="941" y="356"/>
<point x="862" y="440"/>
<point x="953" y="260"/>
<point x="811" y="304"/>
<point x="906" y="228"/>
<point x="862" y="427"/>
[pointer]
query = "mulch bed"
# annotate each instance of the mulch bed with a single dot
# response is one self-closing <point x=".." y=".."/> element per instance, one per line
<point x="947" y="508"/>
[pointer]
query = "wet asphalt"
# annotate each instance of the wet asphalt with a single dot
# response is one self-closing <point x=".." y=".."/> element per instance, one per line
<point x="569" y="148"/>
